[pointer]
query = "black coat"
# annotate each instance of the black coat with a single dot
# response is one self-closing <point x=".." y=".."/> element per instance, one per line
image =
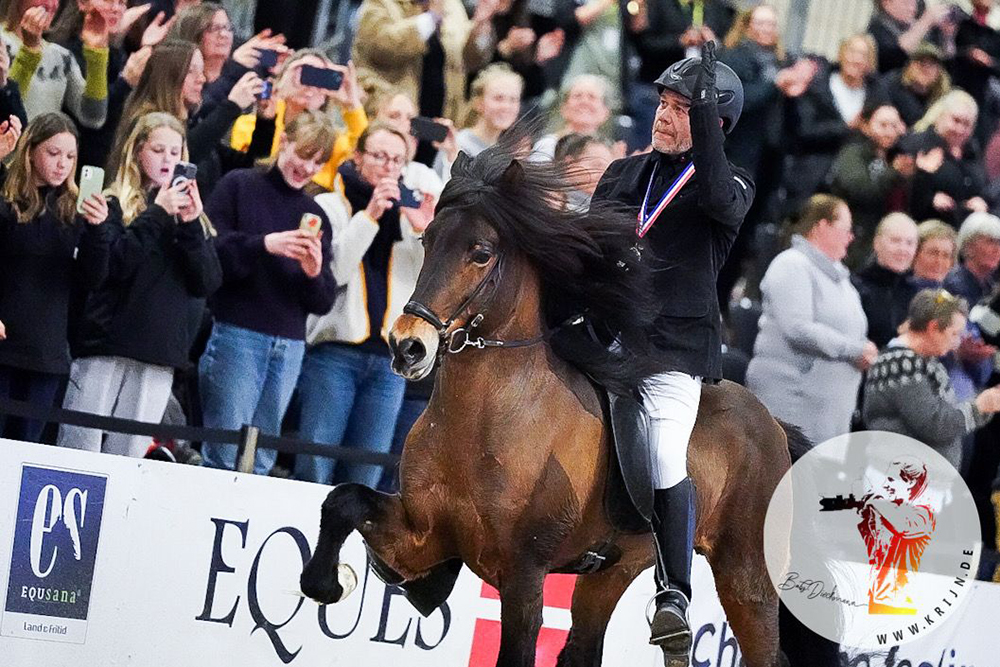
<point x="690" y="241"/>
<point x="910" y="105"/>
<point x="150" y="307"/>
<point x="41" y="261"/>
<point x="959" y="179"/>
<point x="885" y="298"/>
<point x="659" y="46"/>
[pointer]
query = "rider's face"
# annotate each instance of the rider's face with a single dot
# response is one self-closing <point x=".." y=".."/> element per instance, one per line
<point x="671" y="126"/>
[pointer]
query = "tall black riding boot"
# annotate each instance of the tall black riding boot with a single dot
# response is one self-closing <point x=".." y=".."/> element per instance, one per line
<point x="673" y="530"/>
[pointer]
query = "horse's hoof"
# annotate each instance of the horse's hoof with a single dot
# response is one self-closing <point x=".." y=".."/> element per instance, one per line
<point x="676" y="661"/>
<point x="348" y="580"/>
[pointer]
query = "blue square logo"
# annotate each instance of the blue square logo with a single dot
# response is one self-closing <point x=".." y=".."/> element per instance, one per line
<point x="58" y="527"/>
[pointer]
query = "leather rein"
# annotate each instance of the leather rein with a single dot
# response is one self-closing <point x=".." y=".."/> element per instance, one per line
<point x="453" y="342"/>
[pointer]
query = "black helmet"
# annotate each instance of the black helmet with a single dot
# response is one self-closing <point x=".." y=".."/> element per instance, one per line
<point x="680" y="78"/>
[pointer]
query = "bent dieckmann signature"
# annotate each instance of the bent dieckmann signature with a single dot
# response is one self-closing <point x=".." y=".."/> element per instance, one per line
<point x="815" y="588"/>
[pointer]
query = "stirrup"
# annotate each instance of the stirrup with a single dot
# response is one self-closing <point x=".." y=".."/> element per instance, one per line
<point x="665" y="640"/>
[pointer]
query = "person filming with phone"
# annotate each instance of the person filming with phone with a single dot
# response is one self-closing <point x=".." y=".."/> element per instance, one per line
<point x="139" y="325"/>
<point x="350" y="396"/>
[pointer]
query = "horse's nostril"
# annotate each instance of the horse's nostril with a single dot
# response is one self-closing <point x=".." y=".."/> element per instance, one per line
<point x="412" y="350"/>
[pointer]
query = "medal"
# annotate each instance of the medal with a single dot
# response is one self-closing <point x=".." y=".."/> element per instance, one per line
<point x="646" y="220"/>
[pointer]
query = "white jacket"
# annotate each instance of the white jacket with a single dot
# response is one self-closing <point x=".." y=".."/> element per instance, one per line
<point x="347" y="321"/>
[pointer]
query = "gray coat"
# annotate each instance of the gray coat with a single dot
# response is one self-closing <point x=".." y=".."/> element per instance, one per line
<point x="811" y="332"/>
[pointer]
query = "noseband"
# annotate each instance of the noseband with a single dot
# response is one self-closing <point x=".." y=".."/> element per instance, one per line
<point x="455" y="341"/>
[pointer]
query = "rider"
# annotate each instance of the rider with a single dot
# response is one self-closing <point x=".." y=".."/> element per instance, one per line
<point x="691" y="203"/>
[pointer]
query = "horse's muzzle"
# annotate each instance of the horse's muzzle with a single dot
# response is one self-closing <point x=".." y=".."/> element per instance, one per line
<point x="413" y="344"/>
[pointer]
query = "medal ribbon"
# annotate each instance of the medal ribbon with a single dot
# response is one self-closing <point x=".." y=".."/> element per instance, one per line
<point x="646" y="220"/>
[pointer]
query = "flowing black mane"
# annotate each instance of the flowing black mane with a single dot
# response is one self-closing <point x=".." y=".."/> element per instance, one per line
<point x="585" y="260"/>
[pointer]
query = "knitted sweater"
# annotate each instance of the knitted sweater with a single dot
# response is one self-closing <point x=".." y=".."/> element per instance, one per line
<point x="51" y="80"/>
<point x="910" y="394"/>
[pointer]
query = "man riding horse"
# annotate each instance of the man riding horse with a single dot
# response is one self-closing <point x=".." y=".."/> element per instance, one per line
<point x="691" y="201"/>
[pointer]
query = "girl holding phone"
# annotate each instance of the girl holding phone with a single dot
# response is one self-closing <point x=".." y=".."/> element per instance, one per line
<point x="46" y="249"/>
<point x="139" y="325"/>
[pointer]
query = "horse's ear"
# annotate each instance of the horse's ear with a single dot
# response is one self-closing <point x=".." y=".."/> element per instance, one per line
<point x="513" y="175"/>
<point x="462" y="162"/>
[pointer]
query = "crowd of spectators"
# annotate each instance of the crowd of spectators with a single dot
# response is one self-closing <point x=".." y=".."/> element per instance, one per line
<point x="261" y="291"/>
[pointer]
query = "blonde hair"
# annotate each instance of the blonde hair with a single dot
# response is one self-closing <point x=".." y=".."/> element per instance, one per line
<point x="928" y="230"/>
<point x="741" y="26"/>
<point x="314" y="134"/>
<point x="869" y="43"/>
<point x="819" y="207"/>
<point x="486" y="76"/>
<point x="20" y="190"/>
<point x="953" y="98"/>
<point x="889" y="220"/>
<point x="128" y="185"/>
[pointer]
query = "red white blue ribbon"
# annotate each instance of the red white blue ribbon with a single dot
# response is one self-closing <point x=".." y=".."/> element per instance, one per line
<point x="646" y="220"/>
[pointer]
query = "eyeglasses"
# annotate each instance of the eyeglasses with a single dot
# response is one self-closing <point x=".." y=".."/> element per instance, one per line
<point x="216" y="28"/>
<point x="386" y="159"/>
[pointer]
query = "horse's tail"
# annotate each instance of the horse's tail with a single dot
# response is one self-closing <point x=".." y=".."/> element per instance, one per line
<point x="798" y="444"/>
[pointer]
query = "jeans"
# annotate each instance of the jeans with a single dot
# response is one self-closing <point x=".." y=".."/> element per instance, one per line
<point x="22" y="385"/>
<point x="246" y="377"/>
<point x="349" y="398"/>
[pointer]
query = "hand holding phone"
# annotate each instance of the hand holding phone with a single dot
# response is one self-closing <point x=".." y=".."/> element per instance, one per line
<point x="183" y="171"/>
<point x="310" y="224"/>
<point x="91" y="183"/>
<point x="427" y="129"/>
<point x="410" y="198"/>
<point x="320" y="77"/>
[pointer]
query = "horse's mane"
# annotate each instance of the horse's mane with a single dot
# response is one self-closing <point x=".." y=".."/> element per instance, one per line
<point x="585" y="260"/>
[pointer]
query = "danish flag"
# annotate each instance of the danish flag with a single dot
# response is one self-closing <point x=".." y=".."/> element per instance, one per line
<point x="557" y="596"/>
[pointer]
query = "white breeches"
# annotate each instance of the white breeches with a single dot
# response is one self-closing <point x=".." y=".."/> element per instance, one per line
<point x="671" y="399"/>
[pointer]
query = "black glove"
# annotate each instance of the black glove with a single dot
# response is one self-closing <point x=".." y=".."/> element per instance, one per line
<point x="704" y="83"/>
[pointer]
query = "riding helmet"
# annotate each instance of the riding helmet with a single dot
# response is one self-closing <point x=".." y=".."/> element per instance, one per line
<point x="681" y="76"/>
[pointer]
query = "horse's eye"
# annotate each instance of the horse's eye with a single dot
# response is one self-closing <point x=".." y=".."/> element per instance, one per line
<point x="481" y="255"/>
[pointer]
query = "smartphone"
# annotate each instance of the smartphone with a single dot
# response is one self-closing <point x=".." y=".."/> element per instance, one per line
<point x="427" y="129"/>
<point x="91" y="183"/>
<point x="183" y="171"/>
<point x="310" y="224"/>
<point x="409" y="198"/>
<point x="268" y="58"/>
<point x="321" y="77"/>
<point x="265" y="93"/>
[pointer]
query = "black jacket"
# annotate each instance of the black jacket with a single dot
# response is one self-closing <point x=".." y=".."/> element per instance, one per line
<point x="38" y="272"/>
<point x="885" y="298"/>
<point x="690" y="241"/>
<point x="150" y="307"/>
<point x="911" y="106"/>
<point x="659" y="45"/>
<point x="959" y="179"/>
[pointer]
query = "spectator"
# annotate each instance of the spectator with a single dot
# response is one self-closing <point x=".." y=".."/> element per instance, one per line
<point x="826" y="113"/>
<point x="812" y="348"/>
<point x="665" y="31"/>
<point x="951" y="182"/>
<point x="898" y="30"/>
<point x="913" y="88"/>
<point x="274" y="275"/>
<point x="417" y="47"/>
<point x="977" y="63"/>
<point x="867" y="178"/>
<point x="290" y="98"/>
<point x="584" y="110"/>
<point x="349" y="394"/>
<point x="907" y="390"/>
<point x="507" y="31"/>
<point x="884" y="283"/>
<point x="172" y="82"/>
<point x="595" y="46"/>
<point x="46" y="248"/>
<point x="585" y="159"/>
<point x="979" y="247"/>
<point x="937" y="251"/>
<point x="138" y="326"/>
<point x="495" y="102"/>
<point x="47" y="74"/>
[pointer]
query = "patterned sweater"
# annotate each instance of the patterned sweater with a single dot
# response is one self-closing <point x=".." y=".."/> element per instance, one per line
<point x="910" y="394"/>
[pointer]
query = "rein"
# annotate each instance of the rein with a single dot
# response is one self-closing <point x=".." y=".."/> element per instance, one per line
<point x="455" y="341"/>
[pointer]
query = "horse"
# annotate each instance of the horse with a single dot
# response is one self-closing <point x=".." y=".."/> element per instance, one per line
<point x="506" y="469"/>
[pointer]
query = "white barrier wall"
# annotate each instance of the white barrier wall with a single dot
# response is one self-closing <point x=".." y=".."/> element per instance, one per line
<point x="110" y="561"/>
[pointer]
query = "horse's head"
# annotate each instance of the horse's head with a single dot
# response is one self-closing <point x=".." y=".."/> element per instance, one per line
<point x="460" y="277"/>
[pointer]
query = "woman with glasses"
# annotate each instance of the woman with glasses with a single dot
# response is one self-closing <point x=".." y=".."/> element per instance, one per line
<point x="350" y="397"/>
<point x="813" y="345"/>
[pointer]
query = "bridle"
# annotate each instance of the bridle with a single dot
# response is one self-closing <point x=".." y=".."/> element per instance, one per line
<point x="453" y="342"/>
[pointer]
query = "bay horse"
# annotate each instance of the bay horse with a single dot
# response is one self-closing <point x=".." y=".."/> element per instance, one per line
<point x="506" y="469"/>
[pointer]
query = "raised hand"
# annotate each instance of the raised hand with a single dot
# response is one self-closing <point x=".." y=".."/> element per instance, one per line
<point x="704" y="83"/>
<point x="248" y="54"/>
<point x="136" y="65"/>
<point x="34" y="22"/>
<point x="130" y="16"/>
<point x="348" y="96"/>
<point x="246" y="90"/>
<point x="549" y="46"/>
<point x="174" y="199"/>
<point x="157" y="30"/>
<point x="193" y="208"/>
<point x="95" y="209"/>
<point x="3" y="331"/>
<point x="10" y="131"/>
<point x="95" y="32"/>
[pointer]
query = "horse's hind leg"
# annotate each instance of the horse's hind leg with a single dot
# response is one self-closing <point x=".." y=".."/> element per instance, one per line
<point x="594" y="600"/>
<point x="382" y="522"/>
<point x="754" y="620"/>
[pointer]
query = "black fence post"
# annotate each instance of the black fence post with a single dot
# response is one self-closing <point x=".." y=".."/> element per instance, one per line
<point x="246" y="451"/>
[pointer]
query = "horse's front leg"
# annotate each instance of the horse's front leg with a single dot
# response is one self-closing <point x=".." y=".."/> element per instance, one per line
<point x="520" y="616"/>
<point x="382" y="522"/>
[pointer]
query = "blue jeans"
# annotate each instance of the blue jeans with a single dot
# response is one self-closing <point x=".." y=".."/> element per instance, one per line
<point x="349" y="398"/>
<point x="246" y="377"/>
